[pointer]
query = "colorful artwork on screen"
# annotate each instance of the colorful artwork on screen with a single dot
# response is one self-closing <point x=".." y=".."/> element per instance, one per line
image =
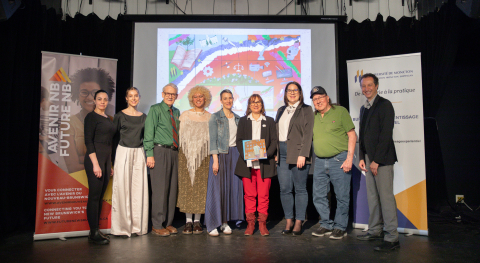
<point x="245" y="64"/>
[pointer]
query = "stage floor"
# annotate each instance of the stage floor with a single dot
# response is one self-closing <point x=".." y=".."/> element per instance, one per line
<point x="446" y="243"/>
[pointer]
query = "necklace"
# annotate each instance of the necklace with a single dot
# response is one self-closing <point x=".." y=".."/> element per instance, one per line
<point x="199" y="113"/>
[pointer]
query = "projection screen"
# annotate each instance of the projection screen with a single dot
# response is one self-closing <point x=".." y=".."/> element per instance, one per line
<point x="246" y="58"/>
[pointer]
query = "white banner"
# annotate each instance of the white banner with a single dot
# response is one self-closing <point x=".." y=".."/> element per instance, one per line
<point x="68" y="85"/>
<point x="400" y="81"/>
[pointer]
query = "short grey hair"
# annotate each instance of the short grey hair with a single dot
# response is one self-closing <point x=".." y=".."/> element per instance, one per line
<point x="225" y="91"/>
<point x="170" y="85"/>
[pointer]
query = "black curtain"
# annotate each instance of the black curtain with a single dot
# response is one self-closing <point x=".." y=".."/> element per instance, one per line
<point x="29" y="31"/>
<point x="448" y="40"/>
<point x="449" y="44"/>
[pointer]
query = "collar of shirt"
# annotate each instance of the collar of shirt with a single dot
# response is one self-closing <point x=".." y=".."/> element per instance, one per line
<point x="369" y="103"/>
<point x="164" y="106"/>
<point x="291" y="108"/>
<point x="325" y="113"/>
<point x="250" y="117"/>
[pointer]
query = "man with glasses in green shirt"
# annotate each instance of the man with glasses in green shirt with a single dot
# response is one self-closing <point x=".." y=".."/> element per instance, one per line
<point x="161" y="144"/>
<point x="334" y="142"/>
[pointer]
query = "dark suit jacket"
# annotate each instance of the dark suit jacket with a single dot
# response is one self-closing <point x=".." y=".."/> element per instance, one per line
<point x="300" y="133"/>
<point x="378" y="133"/>
<point x="268" y="132"/>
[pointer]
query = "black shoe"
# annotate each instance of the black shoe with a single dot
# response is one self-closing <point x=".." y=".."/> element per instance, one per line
<point x="287" y="231"/>
<point x="321" y="231"/>
<point x="387" y="246"/>
<point x="103" y="235"/>
<point x="297" y="233"/>
<point x="369" y="237"/>
<point x="338" y="234"/>
<point x="96" y="238"/>
<point x="134" y="235"/>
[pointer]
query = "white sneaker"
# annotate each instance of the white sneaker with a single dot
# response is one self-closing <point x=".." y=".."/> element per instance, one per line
<point x="214" y="233"/>
<point x="226" y="229"/>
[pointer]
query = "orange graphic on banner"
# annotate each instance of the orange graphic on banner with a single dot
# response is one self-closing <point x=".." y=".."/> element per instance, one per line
<point x="60" y="75"/>
<point x="412" y="202"/>
<point x="62" y="201"/>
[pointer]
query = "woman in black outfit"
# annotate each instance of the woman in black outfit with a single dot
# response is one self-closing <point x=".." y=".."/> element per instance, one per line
<point x="99" y="131"/>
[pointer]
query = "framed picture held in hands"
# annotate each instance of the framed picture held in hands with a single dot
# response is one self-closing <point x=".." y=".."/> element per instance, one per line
<point x="254" y="149"/>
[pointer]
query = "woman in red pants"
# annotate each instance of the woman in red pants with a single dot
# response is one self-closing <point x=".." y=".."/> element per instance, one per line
<point x="256" y="174"/>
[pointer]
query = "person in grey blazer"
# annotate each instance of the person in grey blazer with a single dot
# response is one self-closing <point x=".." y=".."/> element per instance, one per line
<point x="377" y="156"/>
<point x="294" y="155"/>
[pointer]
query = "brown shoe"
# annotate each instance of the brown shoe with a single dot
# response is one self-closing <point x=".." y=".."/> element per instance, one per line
<point x="171" y="229"/>
<point x="188" y="229"/>
<point x="251" y="224"/>
<point x="161" y="232"/>
<point x="197" y="228"/>
<point x="262" y="224"/>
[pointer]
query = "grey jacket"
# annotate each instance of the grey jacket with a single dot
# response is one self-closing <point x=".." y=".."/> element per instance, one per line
<point x="219" y="132"/>
<point x="300" y="134"/>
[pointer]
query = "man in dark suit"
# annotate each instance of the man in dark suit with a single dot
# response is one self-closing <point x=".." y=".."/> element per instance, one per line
<point x="377" y="157"/>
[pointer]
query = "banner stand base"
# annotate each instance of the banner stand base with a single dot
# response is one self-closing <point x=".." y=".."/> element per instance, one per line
<point x="63" y="235"/>
<point x="407" y="231"/>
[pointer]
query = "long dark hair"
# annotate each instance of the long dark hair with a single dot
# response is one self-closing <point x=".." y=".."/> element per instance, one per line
<point x="250" y="100"/>
<point x="285" y="99"/>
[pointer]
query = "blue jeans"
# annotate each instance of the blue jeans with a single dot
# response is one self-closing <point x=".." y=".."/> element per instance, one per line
<point x="328" y="170"/>
<point x="288" y="177"/>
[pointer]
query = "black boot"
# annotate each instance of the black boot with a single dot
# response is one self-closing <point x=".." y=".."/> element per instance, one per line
<point x="96" y="238"/>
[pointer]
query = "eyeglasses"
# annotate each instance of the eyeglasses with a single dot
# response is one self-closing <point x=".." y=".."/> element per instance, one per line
<point x="292" y="91"/>
<point x="198" y="97"/>
<point x="319" y="98"/>
<point x="173" y="95"/>
<point x="85" y="93"/>
<point x="256" y="102"/>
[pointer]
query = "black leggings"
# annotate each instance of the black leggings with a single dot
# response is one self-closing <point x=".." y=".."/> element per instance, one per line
<point x="97" y="186"/>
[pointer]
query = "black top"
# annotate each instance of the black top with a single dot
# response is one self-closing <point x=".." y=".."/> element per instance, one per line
<point x="362" y="130"/>
<point x="377" y="136"/>
<point x="97" y="129"/>
<point x="131" y="129"/>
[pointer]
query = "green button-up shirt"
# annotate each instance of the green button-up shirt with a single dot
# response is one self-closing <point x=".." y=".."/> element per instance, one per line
<point x="158" y="127"/>
<point x="330" y="132"/>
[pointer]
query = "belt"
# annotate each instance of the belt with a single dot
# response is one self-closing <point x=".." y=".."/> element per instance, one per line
<point x="168" y="147"/>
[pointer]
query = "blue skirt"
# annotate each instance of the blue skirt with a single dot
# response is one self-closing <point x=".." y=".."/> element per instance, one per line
<point x="225" y="192"/>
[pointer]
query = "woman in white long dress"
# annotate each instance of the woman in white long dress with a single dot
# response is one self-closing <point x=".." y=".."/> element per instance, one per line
<point x="130" y="183"/>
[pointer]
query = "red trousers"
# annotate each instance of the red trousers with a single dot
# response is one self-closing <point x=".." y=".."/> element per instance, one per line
<point x="253" y="187"/>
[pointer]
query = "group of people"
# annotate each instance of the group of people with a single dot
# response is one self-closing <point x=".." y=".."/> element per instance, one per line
<point x="197" y="164"/>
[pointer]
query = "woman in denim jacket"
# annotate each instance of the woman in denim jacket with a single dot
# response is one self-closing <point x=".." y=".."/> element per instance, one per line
<point x="225" y="189"/>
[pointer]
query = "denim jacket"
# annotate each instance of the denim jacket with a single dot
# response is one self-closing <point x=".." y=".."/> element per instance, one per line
<point x="219" y="132"/>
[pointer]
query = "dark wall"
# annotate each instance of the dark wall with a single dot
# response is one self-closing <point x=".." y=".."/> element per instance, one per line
<point x="449" y="43"/>
<point x="447" y="39"/>
<point x="458" y="119"/>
